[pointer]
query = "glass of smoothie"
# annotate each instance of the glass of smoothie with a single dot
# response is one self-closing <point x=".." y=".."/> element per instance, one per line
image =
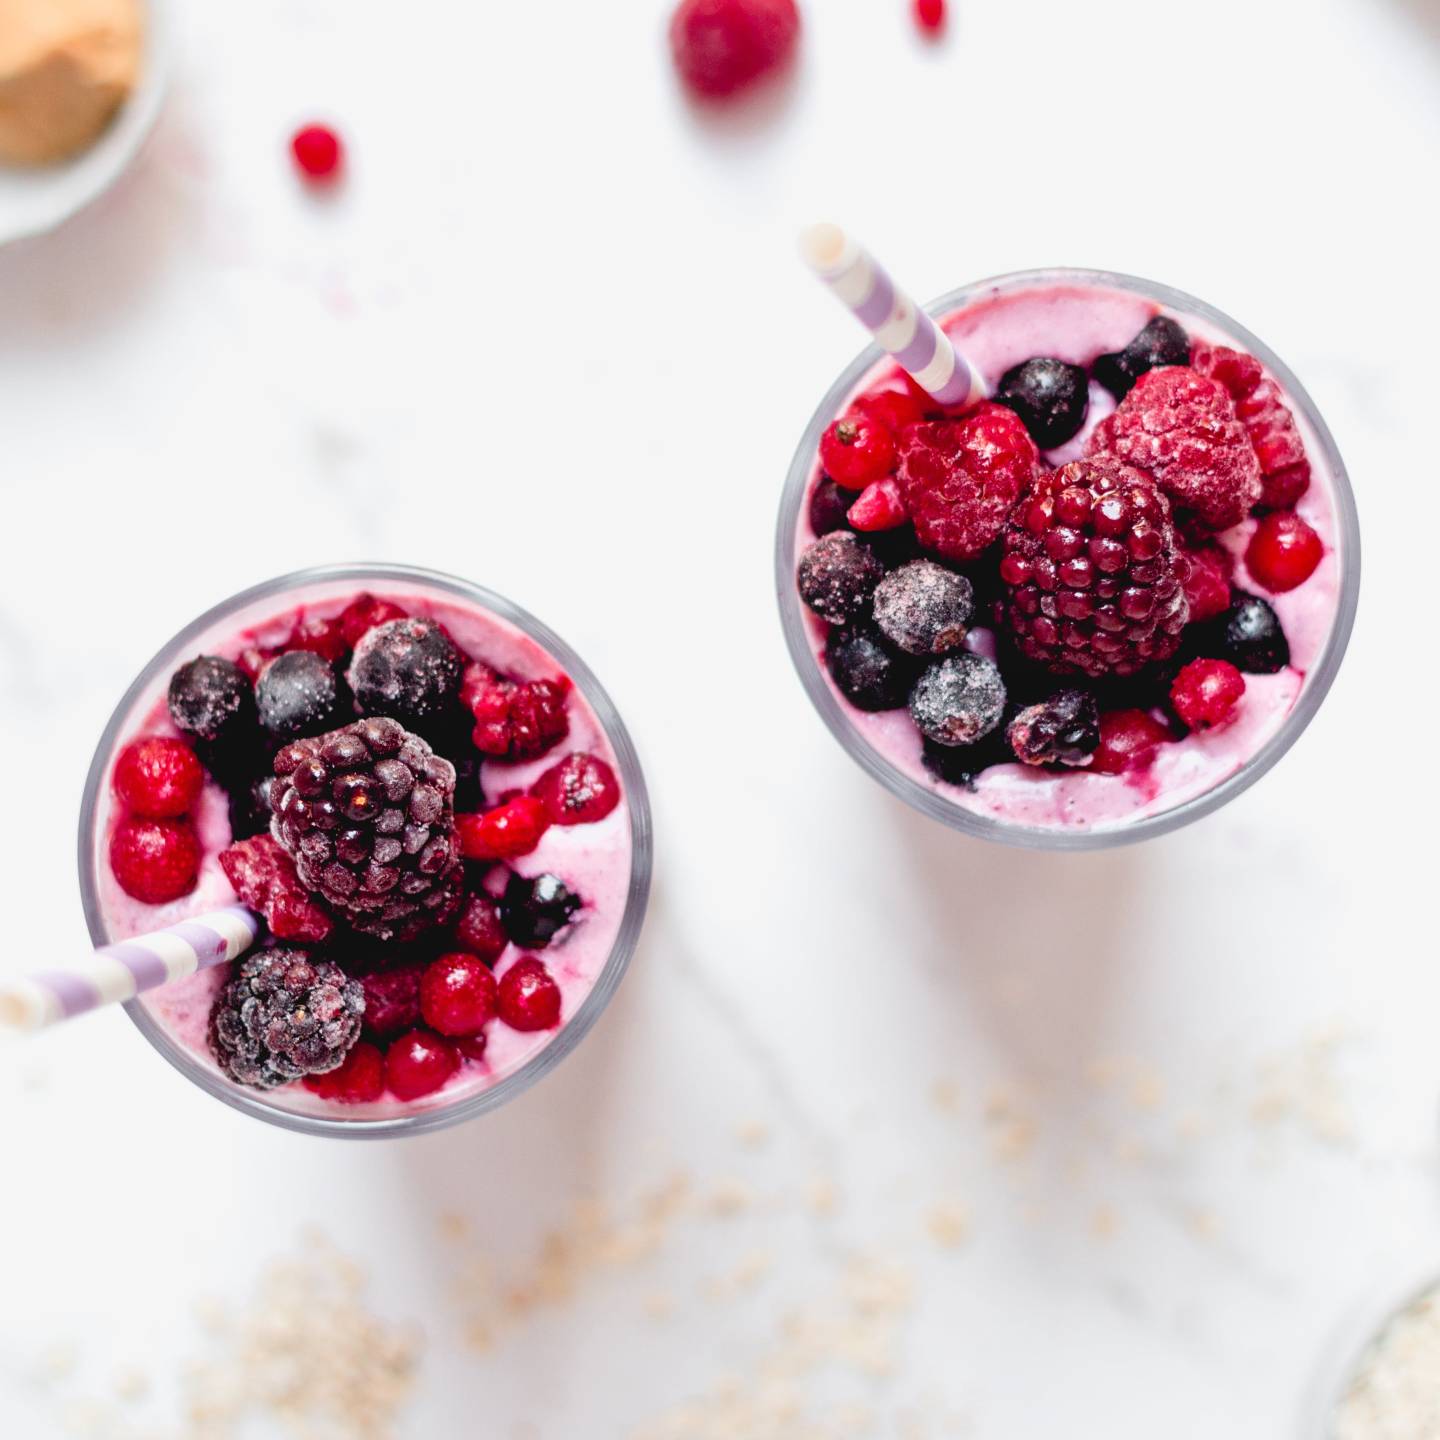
<point x="1093" y="598"/>
<point x="433" y="805"/>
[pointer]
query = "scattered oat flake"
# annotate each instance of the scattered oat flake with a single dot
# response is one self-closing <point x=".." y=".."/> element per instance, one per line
<point x="1302" y="1087"/>
<point x="753" y="1134"/>
<point x="949" y="1225"/>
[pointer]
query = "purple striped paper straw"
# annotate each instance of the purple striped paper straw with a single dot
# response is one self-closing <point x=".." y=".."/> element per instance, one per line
<point x="119" y="972"/>
<point x="920" y="347"/>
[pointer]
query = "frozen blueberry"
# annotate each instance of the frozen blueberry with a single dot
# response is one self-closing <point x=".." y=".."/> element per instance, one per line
<point x="406" y="669"/>
<point x="923" y="608"/>
<point x="1161" y="342"/>
<point x="869" y="675"/>
<point x="837" y="577"/>
<point x="299" y="694"/>
<point x="250" y="806"/>
<point x="958" y="700"/>
<point x="1063" y="730"/>
<point x="960" y="764"/>
<point x="1253" y="637"/>
<point x="211" y="699"/>
<point x="534" y="911"/>
<point x="1049" y="396"/>
<point x="828" y="505"/>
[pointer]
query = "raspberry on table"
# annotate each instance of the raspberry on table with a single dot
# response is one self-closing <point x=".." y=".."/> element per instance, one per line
<point x="1094" y="571"/>
<point x="535" y="910"/>
<point x="1050" y="397"/>
<point x="1181" y="429"/>
<point x="580" y="790"/>
<point x="318" y="152"/>
<point x="1129" y="740"/>
<point x="514" y="720"/>
<point x="1205" y="693"/>
<point x="1161" y="342"/>
<point x="510" y="829"/>
<point x="418" y="1064"/>
<point x="529" y="998"/>
<point x="211" y="699"/>
<point x="866" y="671"/>
<point x="1283" y="552"/>
<point x="392" y="1000"/>
<point x="879" y="507"/>
<point x="923" y="608"/>
<point x="1063" y="730"/>
<point x="407" y="669"/>
<point x="960" y="479"/>
<point x="457" y="995"/>
<point x="857" y="450"/>
<point x="363" y="614"/>
<point x="479" y="929"/>
<point x="158" y="778"/>
<point x="155" y="861"/>
<point x="722" y="47"/>
<point x="837" y="576"/>
<point x="298" y="693"/>
<point x="264" y="878"/>
<point x="958" y="700"/>
<point x="284" y="1015"/>
<point x="359" y="1079"/>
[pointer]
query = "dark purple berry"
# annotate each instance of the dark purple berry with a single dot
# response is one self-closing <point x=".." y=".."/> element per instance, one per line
<point x="211" y="699"/>
<point x="1063" y="730"/>
<point x="837" y="577"/>
<point x="867" y="673"/>
<point x="1050" y="396"/>
<point x="406" y="669"/>
<point x="923" y="608"/>
<point x="1253" y="638"/>
<point x="961" y="764"/>
<point x="958" y="700"/>
<point x="299" y="694"/>
<point x="828" y="507"/>
<point x="534" y="911"/>
<point x="1161" y="342"/>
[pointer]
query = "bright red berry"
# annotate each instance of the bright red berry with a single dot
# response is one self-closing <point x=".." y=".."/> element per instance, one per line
<point x="419" y="1063"/>
<point x="155" y="861"/>
<point x="894" y="409"/>
<point x="472" y="1047"/>
<point x="1207" y="584"/>
<point x="1283" y="552"/>
<point x="158" y="777"/>
<point x="457" y="995"/>
<point x="529" y="997"/>
<point x="723" y="46"/>
<point x="479" y="930"/>
<point x="363" y="614"/>
<point x="1128" y="741"/>
<point x="930" y="15"/>
<point x="263" y="876"/>
<point x="1206" y="692"/>
<point x="322" y="637"/>
<point x="880" y="506"/>
<point x="857" y="450"/>
<point x="317" y="151"/>
<point x="514" y="720"/>
<point x="513" y="828"/>
<point x="580" y="790"/>
<point x="392" y="1000"/>
<point x="359" y="1080"/>
<point x="1238" y="372"/>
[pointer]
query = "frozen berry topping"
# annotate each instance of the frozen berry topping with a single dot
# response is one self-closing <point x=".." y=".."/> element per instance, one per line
<point x="894" y="409"/>
<point x="358" y="1080"/>
<point x="1094" y="571"/>
<point x="211" y="699"/>
<point x="457" y="994"/>
<point x="923" y="608"/>
<point x="1181" y="428"/>
<point x="529" y="998"/>
<point x="1128" y="741"/>
<point x="580" y="790"/>
<point x="392" y="1000"/>
<point x="363" y="614"/>
<point x="856" y="450"/>
<point x="829" y="506"/>
<point x="406" y="669"/>
<point x="1283" y="552"/>
<point x="297" y="694"/>
<point x="321" y="637"/>
<point x="264" y="878"/>
<point x="1162" y="342"/>
<point x="1207" y="583"/>
<point x="722" y="47"/>
<point x="418" y="1064"/>
<point x="958" y="700"/>
<point x="158" y="778"/>
<point x="1063" y="730"/>
<point x="1252" y="637"/>
<point x="514" y="828"/>
<point x="284" y="1015"/>
<point x="869" y="674"/>
<point x="479" y="930"/>
<point x="837" y="576"/>
<point x="514" y="720"/>
<point x="1049" y="395"/>
<point x="960" y="479"/>
<point x="1206" y="692"/>
<point x="535" y="910"/>
<point x="155" y="861"/>
<point x="880" y="506"/>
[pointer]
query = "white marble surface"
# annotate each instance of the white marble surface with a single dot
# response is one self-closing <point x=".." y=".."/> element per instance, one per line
<point x="553" y="336"/>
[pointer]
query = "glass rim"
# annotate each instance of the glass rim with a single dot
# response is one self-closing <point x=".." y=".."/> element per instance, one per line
<point x="616" y="963"/>
<point x="987" y="827"/>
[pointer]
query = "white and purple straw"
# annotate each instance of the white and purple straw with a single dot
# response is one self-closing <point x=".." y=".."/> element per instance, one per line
<point x="119" y="972"/>
<point x="920" y="347"/>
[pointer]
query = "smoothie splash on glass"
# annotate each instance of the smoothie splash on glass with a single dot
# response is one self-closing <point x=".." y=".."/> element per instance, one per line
<point x="1074" y="565"/>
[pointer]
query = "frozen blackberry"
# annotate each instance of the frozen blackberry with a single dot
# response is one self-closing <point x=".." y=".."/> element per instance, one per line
<point x="283" y="1016"/>
<point x="297" y="694"/>
<point x="1050" y="396"/>
<point x="368" y="814"/>
<point x="866" y="671"/>
<point x="923" y="608"/>
<point x="1253" y="638"/>
<point x="828" y="507"/>
<point x="1161" y="342"/>
<point x="534" y="911"/>
<point x="211" y="699"/>
<point x="1063" y="730"/>
<point x="958" y="700"/>
<point x="406" y="669"/>
<point x="837" y="577"/>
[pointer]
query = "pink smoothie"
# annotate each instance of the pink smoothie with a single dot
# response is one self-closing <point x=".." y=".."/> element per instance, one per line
<point x="1077" y="323"/>
<point x="593" y="860"/>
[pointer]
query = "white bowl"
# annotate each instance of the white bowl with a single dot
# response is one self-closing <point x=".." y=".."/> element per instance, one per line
<point x="33" y="201"/>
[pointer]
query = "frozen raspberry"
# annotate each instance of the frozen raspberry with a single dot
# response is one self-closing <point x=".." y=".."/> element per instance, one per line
<point x="580" y="790"/>
<point x="856" y="451"/>
<point x="406" y="669"/>
<point x="1050" y="396"/>
<point x="479" y="930"/>
<point x="1207" y="584"/>
<point x="1206" y="692"/>
<point x="297" y="694"/>
<point x="879" y="507"/>
<point x="211" y="699"/>
<point x="1128" y="741"/>
<point x="1094" y="571"/>
<point x="1161" y="342"/>
<point x="514" y="720"/>
<point x="923" y="608"/>
<point x="894" y="409"/>
<point x="723" y="46"/>
<point x="264" y="878"/>
<point x="457" y="995"/>
<point x="359" y="1080"/>
<point x="511" y="829"/>
<point x="419" y="1063"/>
<point x="1238" y="372"/>
<point x="837" y="576"/>
<point x="1283" y="552"/>
<point x="930" y="16"/>
<point x="158" y="778"/>
<point x="828" y="507"/>
<point x="392" y="1000"/>
<point x="472" y="1047"/>
<point x="1063" y="730"/>
<point x="958" y="700"/>
<point x="321" y="637"/>
<point x="155" y="861"/>
<point x="535" y="911"/>
<point x="1181" y="429"/>
<point x="961" y="478"/>
<point x="362" y="615"/>
<point x="1252" y="637"/>
<point x="866" y="671"/>
<point x="284" y="1015"/>
<point x="529" y="998"/>
<point x="317" y="151"/>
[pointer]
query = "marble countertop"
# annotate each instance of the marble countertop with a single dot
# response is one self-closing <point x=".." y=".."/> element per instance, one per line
<point x="888" y="1133"/>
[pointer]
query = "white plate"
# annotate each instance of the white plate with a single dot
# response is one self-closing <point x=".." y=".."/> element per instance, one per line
<point x="34" y="201"/>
